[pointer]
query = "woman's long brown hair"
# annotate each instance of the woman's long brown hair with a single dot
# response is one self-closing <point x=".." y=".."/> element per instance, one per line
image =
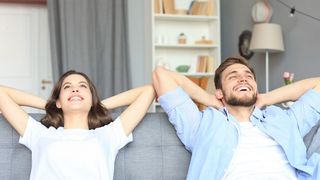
<point x="98" y="115"/>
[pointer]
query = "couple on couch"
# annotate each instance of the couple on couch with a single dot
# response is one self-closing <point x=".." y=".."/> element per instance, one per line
<point x="232" y="139"/>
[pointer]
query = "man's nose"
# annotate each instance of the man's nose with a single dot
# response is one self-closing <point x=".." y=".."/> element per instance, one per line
<point x="243" y="79"/>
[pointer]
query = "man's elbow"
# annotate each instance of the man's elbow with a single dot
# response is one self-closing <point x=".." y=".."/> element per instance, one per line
<point x="317" y="88"/>
<point x="158" y="74"/>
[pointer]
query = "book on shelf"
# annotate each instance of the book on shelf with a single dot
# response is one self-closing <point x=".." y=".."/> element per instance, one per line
<point x="210" y="8"/>
<point x="210" y="65"/>
<point x="202" y="64"/>
<point x="205" y="64"/>
<point x="203" y="7"/>
<point x="158" y="6"/>
<point x="206" y="83"/>
<point x="169" y="6"/>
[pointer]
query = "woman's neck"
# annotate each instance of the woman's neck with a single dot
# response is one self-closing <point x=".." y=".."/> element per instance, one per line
<point x="76" y="120"/>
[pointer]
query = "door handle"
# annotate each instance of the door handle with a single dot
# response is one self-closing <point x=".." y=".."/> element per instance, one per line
<point x="46" y="81"/>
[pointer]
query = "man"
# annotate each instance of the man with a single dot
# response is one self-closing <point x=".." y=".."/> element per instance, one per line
<point x="241" y="141"/>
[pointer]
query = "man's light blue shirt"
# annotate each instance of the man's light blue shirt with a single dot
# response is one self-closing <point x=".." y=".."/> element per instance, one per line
<point x="212" y="135"/>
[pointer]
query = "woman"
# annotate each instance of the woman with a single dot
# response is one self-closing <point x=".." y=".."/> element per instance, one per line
<point x="76" y="139"/>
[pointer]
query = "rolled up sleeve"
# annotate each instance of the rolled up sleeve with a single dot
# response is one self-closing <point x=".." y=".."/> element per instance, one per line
<point x="306" y="111"/>
<point x="183" y="114"/>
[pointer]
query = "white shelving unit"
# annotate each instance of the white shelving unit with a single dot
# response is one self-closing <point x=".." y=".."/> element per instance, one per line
<point x="165" y="31"/>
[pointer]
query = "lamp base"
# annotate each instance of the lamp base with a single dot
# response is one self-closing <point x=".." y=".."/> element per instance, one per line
<point x="267" y="71"/>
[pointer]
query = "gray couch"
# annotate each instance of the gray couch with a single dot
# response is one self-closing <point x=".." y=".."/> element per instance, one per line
<point x="156" y="152"/>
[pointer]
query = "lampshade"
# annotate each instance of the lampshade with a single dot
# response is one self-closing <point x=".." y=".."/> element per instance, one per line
<point x="266" y="37"/>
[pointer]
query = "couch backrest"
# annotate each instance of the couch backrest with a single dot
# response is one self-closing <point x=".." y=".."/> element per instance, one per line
<point x="155" y="153"/>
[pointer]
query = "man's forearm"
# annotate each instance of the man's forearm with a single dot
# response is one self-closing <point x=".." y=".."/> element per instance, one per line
<point x="195" y="92"/>
<point x="292" y="91"/>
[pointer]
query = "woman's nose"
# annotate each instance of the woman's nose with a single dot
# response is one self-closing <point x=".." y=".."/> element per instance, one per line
<point x="75" y="90"/>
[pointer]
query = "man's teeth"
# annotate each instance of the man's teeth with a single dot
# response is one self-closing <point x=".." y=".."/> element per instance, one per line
<point x="243" y="89"/>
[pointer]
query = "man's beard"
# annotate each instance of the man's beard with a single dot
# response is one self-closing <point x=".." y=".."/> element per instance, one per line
<point x="245" y="102"/>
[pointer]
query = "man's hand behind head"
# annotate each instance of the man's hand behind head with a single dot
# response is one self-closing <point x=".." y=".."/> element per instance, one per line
<point x="217" y="103"/>
<point x="262" y="101"/>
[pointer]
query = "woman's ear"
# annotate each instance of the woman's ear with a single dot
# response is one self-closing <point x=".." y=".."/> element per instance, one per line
<point x="58" y="104"/>
<point x="219" y="94"/>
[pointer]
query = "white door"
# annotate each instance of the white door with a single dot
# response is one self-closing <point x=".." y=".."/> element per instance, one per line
<point x="24" y="49"/>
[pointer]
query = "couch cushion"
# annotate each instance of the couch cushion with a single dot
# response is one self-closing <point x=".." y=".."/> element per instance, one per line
<point x="155" y="153"/>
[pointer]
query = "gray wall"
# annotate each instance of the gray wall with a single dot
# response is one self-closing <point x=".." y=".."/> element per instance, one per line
<point x="137" y="27"/>
<point x="301" y="39"/>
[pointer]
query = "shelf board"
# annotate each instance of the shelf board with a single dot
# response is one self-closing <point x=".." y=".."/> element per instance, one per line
<point x="173" y="17"/>
<point x="192" y="46"/>
<point x="198" y="74"/>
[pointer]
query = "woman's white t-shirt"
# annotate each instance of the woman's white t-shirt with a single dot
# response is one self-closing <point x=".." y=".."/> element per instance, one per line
<point x="73" y="154"/>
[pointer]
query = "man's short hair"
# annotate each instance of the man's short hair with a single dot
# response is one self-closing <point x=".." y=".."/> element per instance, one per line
<point x="226" y="63"/>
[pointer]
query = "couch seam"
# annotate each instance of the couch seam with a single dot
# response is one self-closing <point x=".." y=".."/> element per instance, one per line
<point x="162" y="155"/>
<point x="124" y="162"/>
<point x="11" y="153"/>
